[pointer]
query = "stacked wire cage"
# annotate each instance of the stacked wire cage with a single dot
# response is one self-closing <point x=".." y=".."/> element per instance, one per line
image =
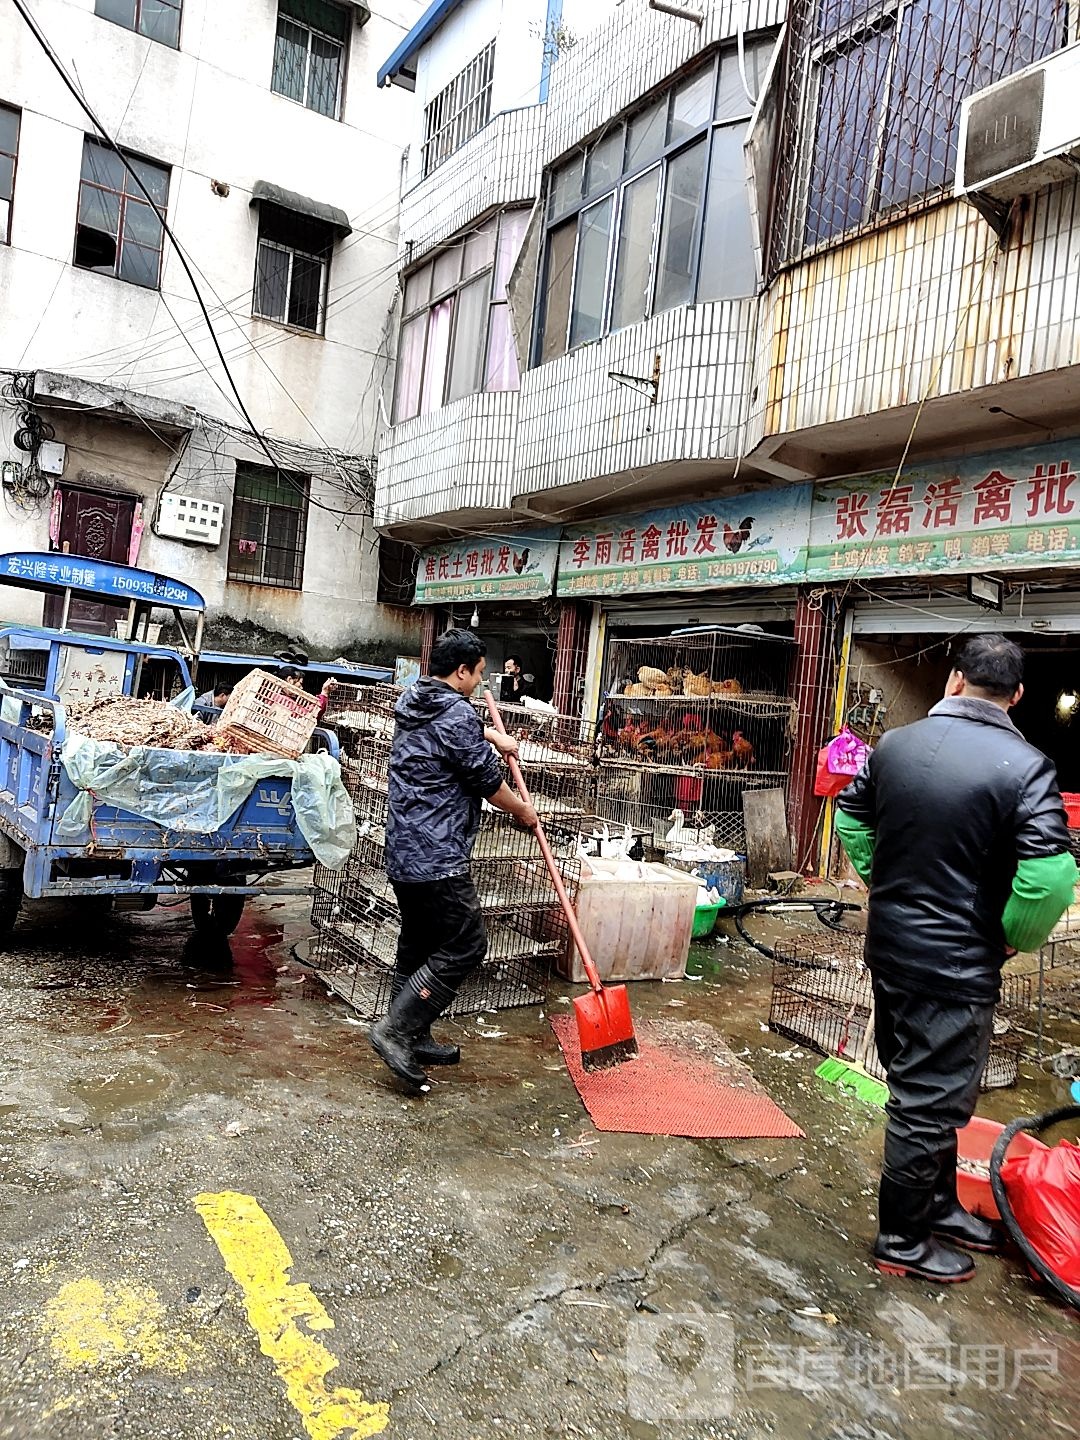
<point x="821" y="998"/>
<point x="689" y="723"/>
<point x="355" y="912"/>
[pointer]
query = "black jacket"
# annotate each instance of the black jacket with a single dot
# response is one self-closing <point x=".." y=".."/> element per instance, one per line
<point x="955" y="802"/>
<point x="440" y="768"/>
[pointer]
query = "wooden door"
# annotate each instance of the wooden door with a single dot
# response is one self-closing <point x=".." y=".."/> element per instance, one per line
<point x="96" y="525"/>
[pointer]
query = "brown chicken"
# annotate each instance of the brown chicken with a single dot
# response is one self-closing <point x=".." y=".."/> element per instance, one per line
<point x="742" y="750"/>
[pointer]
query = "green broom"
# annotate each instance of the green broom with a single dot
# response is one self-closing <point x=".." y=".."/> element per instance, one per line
<point x="852" y="1077"/>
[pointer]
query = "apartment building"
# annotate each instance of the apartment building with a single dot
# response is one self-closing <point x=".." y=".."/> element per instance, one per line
<point x="256" y="129"/>
<point x="793" y="313"/>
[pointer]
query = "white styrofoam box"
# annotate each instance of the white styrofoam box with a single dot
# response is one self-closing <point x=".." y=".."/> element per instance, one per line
<point x="186" y="517"/>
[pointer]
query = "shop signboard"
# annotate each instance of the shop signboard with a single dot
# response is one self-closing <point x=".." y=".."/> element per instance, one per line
<point x="749" y="539"/>
<point x="514" y="567"/>
<point x="1009" y="510"/>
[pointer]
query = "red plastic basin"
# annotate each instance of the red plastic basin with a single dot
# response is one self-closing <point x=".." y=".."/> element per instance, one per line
<point x="976" y="1142"/>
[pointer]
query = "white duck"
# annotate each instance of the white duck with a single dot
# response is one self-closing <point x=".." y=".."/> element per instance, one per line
<point x="680" y="834"/>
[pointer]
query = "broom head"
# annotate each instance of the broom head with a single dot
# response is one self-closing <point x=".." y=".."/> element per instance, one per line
<point x="605" y="1028"/>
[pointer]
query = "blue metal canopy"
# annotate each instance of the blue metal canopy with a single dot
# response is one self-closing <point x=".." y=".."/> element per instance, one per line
<point x="400" y="69"/>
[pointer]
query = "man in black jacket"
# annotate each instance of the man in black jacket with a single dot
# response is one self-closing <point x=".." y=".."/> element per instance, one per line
<point x="956" y="823"/>
<point x="442" y="765"/>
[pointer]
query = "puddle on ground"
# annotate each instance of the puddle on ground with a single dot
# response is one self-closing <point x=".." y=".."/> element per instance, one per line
<point x="125" y="1089"/>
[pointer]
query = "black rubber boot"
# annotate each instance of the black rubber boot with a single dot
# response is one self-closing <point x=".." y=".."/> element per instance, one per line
<point x="951" y="1222"/>
<point x="905" y="1244"/>
<point x="427" y="1049"/>
<point x="395" y="1036"/>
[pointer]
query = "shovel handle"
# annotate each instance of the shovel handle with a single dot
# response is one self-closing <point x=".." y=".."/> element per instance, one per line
<point x="549" y="859"/>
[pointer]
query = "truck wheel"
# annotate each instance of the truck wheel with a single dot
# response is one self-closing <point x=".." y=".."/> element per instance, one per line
<point x="216" y="914"/>
<point x="11" y="893"/>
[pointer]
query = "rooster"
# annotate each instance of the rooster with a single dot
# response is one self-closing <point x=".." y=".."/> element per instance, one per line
<point x="742" y="750"/>
<point x="736" y="539"/>
<point x="520" y="561"/>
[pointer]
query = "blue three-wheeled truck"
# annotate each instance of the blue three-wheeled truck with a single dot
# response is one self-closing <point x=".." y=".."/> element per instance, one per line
<point x="118" y="852"/>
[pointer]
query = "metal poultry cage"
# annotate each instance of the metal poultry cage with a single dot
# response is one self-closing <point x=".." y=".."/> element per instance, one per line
<point x="355" y="910"/>
<point x="689" y="723"/>
<point x="823" y="1001"/>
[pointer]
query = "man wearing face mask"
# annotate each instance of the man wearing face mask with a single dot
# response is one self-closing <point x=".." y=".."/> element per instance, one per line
<point x="957" y="826"/>
<point x="442" y="765"/>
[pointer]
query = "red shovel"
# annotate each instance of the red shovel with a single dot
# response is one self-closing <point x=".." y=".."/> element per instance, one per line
<point x="605" y="1026"/>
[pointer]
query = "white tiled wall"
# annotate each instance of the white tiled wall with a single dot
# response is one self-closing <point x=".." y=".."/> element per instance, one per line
<point x="499" y="166"/>
<point x="458" y="458"/>
<point x="929" y="307"/>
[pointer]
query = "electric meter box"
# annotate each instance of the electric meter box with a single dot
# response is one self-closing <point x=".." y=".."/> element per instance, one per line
<point x="183" y="517"/>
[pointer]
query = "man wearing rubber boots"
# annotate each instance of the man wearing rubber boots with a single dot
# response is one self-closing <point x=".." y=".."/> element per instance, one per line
<point x="957" y="825"/>
<point x="441" y="766"/>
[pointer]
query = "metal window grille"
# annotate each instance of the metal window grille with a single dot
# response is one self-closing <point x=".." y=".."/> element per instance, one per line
<point x="269" y="527"/>
<point x="459" y="111"/>
<point x="309" y="54"/>
<point x="10" y="121"/>
<point x="117" y="232"/>
<point x="871" y="105"/>
<point x="291" y="286"/>
<point x="156" y="19"/>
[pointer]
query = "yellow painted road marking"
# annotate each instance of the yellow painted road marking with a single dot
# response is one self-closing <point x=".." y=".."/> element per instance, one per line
<point x="258" y="1260"/>
<point x="89" y="1324"/>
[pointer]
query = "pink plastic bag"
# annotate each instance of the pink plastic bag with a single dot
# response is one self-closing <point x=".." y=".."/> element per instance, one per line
<point x="839" y="762"/>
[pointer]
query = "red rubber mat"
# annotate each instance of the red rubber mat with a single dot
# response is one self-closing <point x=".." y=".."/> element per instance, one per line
<point x="684" y="1081"/>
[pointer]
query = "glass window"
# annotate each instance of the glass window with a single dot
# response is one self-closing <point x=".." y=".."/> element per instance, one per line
<point x="512" y="229"/>
<point x="678" y="230"/>
<point x="447" y="271"/>
<point x="727" y="265"/>
<point x="269" y="527"/>
<point x="309" y="54"/>
<point x="646" y="135"/>
<point x="470" y="337"/>
<point x="479" y="250"/>
<point x="558" y="283"/>
<point x="440" y="323"/>
<point x="292" y="272"/>
<point x="633" y="267"/>
<point x="590" y="281"/>
<point x="156" y="19"/>
<point x="502" y="363"/>
<point x="603" y="166"/>
<point x="410" y="368"/>
<point x="691" y="105"/>
<point x="9" y="150"/>
<point x="565" y="188"/>
<point x="460" y="110"/>
<point x="117" y="232"/>
<point x="417" y="289"/>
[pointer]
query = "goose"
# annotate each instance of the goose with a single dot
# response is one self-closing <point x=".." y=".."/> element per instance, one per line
<point x="681" y="834"/>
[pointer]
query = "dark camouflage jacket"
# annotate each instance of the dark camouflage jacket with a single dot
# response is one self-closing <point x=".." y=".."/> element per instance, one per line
<point x="440" y="768"/>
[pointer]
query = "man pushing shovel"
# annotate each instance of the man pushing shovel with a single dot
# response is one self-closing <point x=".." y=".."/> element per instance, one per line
<point x="442" y="766"/>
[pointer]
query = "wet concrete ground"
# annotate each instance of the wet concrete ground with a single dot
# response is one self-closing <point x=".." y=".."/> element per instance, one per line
<point x="492" y="1265"/>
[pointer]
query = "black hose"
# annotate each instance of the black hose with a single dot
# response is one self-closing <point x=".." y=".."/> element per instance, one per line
<point x="819" y="904"/>
<point x="1037" y="1124"/>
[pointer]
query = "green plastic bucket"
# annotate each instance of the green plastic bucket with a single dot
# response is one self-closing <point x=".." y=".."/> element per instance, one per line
<point x="705" y="919"/>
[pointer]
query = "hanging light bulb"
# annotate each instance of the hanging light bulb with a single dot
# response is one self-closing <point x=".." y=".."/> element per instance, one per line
<point x="475" y="621"/>
<point x="1066" y="706"/>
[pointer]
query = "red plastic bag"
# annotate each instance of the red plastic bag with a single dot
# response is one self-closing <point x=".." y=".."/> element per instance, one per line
<point x="1044" y="1192"/>
<point x="826" y="781"/>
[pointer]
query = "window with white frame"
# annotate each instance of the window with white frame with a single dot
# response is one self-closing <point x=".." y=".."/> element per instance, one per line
<point x="309" y="54"/>
<point x="456" y="336"/>
<point x="881" y="86"/>
<point x="292" y="271"/>
<point x="459" y="111"/>
<point x="156" y="19"/>
<point x="654" y="213"/>
<point x="9" y="153"/>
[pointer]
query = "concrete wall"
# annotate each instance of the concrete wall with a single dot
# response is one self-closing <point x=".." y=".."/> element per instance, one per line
<point x="208" y="111"/>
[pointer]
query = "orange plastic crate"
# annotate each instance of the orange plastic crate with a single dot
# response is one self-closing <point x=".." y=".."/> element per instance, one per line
<point x="265" y="715"/>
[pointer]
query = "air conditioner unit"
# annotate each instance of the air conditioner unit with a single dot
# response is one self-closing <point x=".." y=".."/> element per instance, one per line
<point x="183" y="517"/>
<point x="1022" y="133"/>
